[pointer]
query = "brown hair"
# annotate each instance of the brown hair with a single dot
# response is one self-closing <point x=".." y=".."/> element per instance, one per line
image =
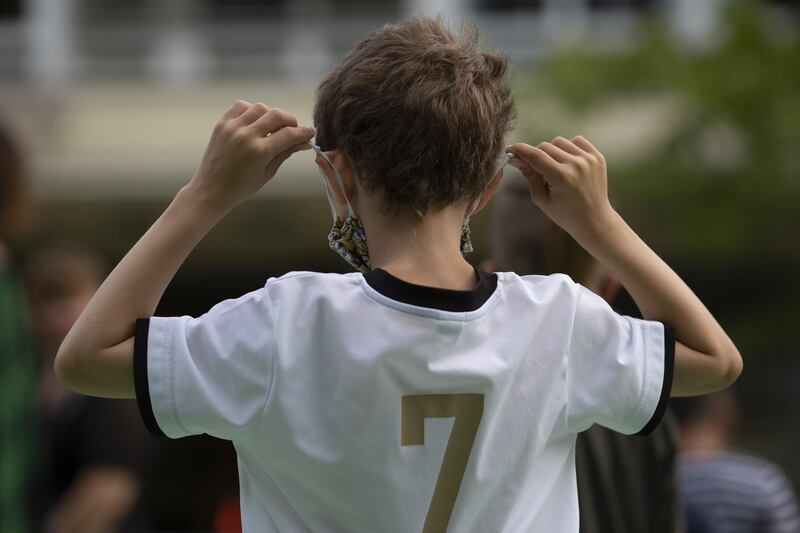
<point x="421" y="111"/>
<point x="525" y="241"/>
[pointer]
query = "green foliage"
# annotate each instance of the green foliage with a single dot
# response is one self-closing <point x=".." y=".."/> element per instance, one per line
<point x="723" y="182"/>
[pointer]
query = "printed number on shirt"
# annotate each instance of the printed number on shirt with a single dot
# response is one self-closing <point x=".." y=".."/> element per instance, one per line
<point x="467" y="409"/>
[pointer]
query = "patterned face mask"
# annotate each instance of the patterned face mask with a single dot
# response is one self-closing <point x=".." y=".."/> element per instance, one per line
<point x="348" y="238"/>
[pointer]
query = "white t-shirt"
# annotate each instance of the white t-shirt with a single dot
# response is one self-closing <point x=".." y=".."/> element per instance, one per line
<point x="365" y="403"/>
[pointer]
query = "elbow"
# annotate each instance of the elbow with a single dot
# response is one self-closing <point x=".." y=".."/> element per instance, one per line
<point x="698" y="373"/>
<point x="735" y="365"/>
<point x="63" y="365"/>
<point x="68" y="367"/>
<point x="729" y="366"/>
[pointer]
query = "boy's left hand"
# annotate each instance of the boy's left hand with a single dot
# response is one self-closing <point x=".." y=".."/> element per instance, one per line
<point x="567" y="180"/>
<point x="247" y="146"/>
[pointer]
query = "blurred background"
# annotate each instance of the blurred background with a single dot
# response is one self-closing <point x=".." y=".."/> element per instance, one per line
<point x="696" y="104"/>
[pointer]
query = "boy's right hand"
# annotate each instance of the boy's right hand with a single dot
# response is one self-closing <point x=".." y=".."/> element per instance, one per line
<point x="247" y="146"/>
<point x="568" y="182"/>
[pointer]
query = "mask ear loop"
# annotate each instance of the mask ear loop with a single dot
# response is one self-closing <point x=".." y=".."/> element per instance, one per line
<point x="501" y="163"/>
<point x="339" y="179"/>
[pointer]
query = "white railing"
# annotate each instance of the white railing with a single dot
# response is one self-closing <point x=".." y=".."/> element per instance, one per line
<point x="175" y="42"/>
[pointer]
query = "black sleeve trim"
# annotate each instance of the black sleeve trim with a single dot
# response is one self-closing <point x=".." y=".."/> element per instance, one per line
<point x="141" y="384"/>
<point x="666" y="386"/>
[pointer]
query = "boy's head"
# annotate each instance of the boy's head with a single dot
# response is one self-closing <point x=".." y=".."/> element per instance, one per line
<point x="420" y="111"/>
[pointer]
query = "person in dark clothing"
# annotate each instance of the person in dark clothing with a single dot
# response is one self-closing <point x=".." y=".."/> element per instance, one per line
<point x="94" y="451"/>
<point x="625" y="483"/>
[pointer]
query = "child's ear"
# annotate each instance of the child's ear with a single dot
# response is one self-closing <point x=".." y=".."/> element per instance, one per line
<point x="343" y="165"/>
<point x="487" y="193"/>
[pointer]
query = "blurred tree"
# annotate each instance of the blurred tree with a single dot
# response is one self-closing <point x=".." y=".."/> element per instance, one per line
<point x="722" y="183"/>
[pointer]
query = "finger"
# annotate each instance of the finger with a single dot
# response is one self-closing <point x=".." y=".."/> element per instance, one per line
<point x="567" y="146"/>
<point x="236" y="109"/>
<point x="536" y="182"/>
<point x="276" y="162"/>
<point x="536" y="158"/>
<point x="301" y="147"/>
<point x="538" y="187"/>
<point x="252" y="114"/>
<point x="273" y="120"/>
<point x="585" y="145"/>
<point x="556" y="153"/>
<point x="521" y="165"/>
<point x="286" y="137"/>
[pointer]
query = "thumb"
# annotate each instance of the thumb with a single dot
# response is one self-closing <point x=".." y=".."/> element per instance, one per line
<point x="538" y="187"/>
<point x="536" y="183"/>
<point x="276" y="162"/>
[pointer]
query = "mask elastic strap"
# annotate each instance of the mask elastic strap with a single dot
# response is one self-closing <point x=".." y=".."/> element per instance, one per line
<point x="501" y="163"/>
<point x="336" y="173"/>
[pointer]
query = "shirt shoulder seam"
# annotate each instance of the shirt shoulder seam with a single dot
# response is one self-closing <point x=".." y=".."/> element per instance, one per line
<point x="273" y="369"/>
<point x="568" y="357"/>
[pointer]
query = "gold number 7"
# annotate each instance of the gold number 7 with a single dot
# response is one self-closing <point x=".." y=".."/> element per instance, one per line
<point x="467" y="410"/>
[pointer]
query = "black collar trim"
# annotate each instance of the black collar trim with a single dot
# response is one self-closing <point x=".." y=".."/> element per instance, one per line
<point x="433" y="297"/>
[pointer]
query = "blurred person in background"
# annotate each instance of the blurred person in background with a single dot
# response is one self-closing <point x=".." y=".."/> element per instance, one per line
<point x="93" y="451"/>
<point x="17" y="363"/>
<point x="625" y="483"/>
<point x="722" y="489"/>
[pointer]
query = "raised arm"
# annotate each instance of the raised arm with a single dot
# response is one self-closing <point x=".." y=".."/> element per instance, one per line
<point x="247" y="146"/>
<point x="568" y="183"/>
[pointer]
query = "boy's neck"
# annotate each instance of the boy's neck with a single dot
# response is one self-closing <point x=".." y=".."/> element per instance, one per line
<point x="460" y="276"/>
<point x="423" y="252"/>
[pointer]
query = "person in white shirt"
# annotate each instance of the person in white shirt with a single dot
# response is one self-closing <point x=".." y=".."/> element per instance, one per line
<point x="420" y="393"/>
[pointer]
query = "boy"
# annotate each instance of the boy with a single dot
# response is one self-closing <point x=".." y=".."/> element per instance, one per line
<point x="324" y="382"/>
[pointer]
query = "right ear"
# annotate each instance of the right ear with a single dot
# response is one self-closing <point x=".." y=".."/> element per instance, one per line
<point x="487" y="193"/>
<point x="334" y="189"/>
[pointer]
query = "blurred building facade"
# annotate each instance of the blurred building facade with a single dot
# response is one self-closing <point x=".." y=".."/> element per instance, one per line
<point x="114" y="102"/>
<point x="115" y="99"/>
